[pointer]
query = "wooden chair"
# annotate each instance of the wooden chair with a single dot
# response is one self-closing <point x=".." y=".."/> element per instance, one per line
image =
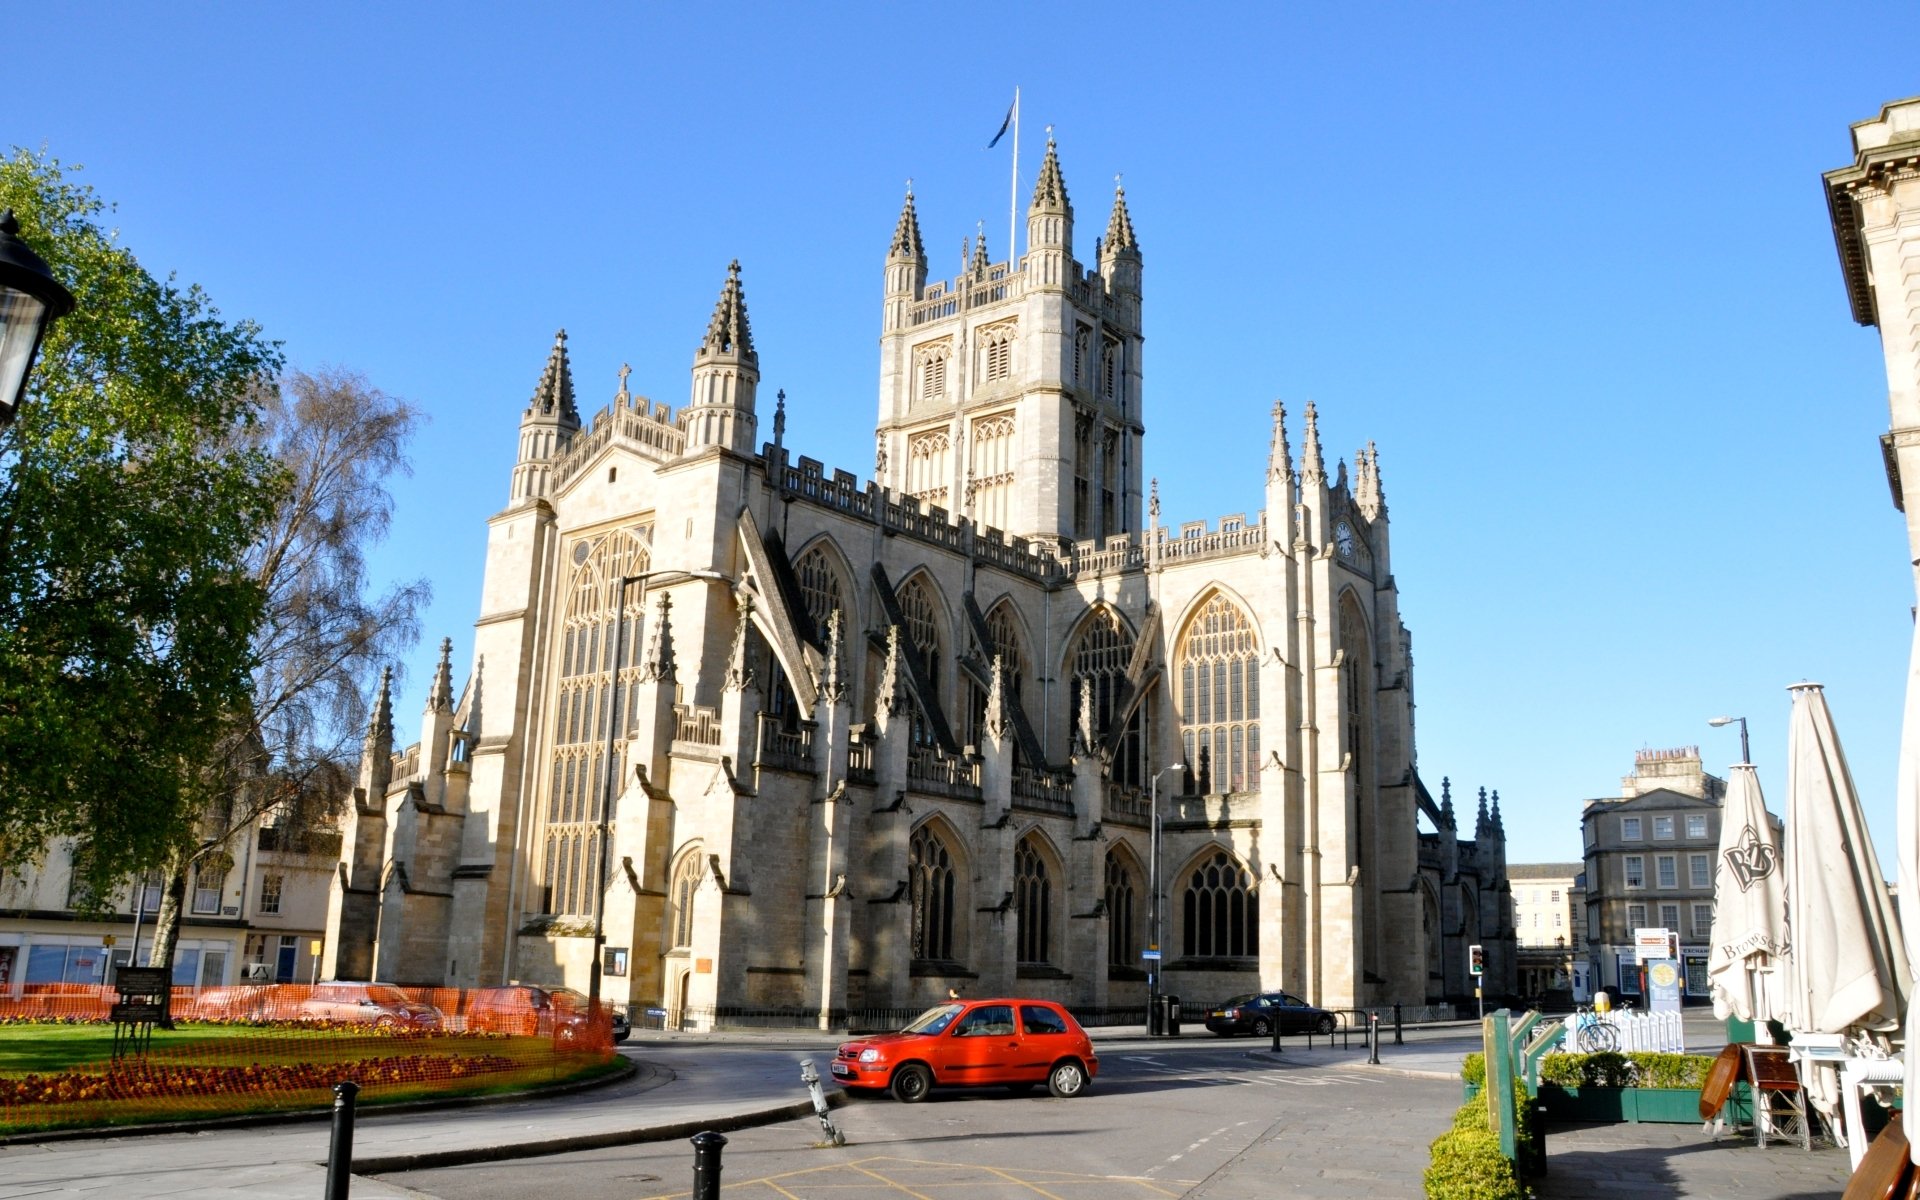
<point x="1779" y="1103"/>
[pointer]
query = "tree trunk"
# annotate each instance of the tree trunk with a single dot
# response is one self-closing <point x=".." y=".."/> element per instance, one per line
<point x="166" y="923"/>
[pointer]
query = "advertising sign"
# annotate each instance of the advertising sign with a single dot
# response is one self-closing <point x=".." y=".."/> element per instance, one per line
<point x="1651" y="942"/>
<point x="1663" y="985"/>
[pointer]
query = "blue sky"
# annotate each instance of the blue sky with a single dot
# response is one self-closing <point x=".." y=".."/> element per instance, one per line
<point x="1569" y="266"/>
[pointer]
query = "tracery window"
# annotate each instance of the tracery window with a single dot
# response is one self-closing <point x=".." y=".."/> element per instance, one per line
<point x="1220" y="699"/>
<point x="1082" y="477"/>
<point x="1110" y="367"/>
<point x="1123" y="941"/>
<point x="820" y="587"/>
<point x="1219" y="910"/>
<point x="930" y="467"/>
<point x="1033" y="897"/>
<point x="1082" y="351"/>
<point x="1003" y="631"/>
<point x="933" y="370"/>
<point x="991" y="475"/>
<point x="996" y="352"/>
<point x="924" y="628"/>
<point x="583" y="705"/>
<point x="1101" y="657"/>
<point x="933" y="889"/>
<point x="687" y="877"/>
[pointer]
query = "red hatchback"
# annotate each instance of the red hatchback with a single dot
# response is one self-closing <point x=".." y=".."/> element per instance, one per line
<point x="974" y="1043"/>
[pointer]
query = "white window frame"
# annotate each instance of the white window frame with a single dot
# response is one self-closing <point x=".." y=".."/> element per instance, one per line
<point x="1663" y="828"/>
<point x="1666" y="871"/>
<point x="272" y="890"/>
<point x="1670" y="917"/>
<point x="1702" y="929"/>
<point x="1632" y="865"/>
<point x="1636" y="917"/>
<point x="1696" y="826"/>
<point x="1630" y="829"/>
<point x="1699" y="871"/>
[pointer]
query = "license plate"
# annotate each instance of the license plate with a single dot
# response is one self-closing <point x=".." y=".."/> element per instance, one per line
<point x="842" y="1069"/>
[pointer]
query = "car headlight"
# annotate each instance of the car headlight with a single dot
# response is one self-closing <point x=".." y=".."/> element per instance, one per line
<point x="869" y="1055"/>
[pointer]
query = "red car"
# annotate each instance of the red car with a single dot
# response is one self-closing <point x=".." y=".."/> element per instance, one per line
<point x="974" y="1043"/>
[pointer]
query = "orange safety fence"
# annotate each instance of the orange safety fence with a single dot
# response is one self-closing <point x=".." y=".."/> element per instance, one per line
<point x="265" y="1047"/>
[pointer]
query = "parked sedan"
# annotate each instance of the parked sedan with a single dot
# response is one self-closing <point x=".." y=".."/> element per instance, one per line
<point x="378" y="1004"/>
<point x="1260" y="1013"/>
<point x="527" y="1011"/>
<point x="974" y="1043"/>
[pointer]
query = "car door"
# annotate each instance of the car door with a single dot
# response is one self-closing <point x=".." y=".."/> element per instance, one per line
<point x="1291" y="1013"/>
<point x="1045" y="1038"/>
<point x="982" y="1047"/>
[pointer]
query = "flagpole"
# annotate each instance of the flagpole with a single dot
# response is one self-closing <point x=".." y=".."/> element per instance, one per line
<point x="1013" y="188"/>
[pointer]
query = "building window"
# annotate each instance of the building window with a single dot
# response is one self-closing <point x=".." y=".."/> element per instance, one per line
<point x="208" y="883"/>
<point x="933" y="371"/>
<point x="270" y="894"/>
<point x="933" y="890"/>
<point x="1636" y="870"/>
<point x="1663" y="829"/>
<point x="1670" y="917"/>
<point x="1636" y="917"/>
<point x="820" y="589"/>
<point x="1696" y="825"/>
<point x="924" y="625"/>
<point x="1123" y="946"/>
<point x="1004" y="634"/>
<point x="1629" y="829"/>
<point x="930" y="467"/>
<point x="1100" y="659"/>
<point x="1699" y="871"/>
<point x="1666" y="871"/>
<point x="1555" y="895"/>
<point x="1702" y="920"/>
<point x="990" y="477"/>
<point x="996" y="353"/>
<point x="1556" y="920"/>
<point x="1220" y="914"/>
<point x="1220" y="697"/>
<point x="686" y="882"/>
<point x="1033" y="897"/>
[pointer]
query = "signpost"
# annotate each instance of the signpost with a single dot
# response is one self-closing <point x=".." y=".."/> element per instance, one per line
<point x="144" y="992"/>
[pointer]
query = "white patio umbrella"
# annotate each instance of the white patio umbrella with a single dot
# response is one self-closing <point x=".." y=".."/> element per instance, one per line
<point x="1848" y="970"/>
<point x="1746" y="965"/>
<point x="1907" y="831"/>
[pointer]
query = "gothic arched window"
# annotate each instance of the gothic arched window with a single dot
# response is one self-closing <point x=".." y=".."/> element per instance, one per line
<point x="1123" y="941"/>
<point x="1219" y="910"/>
<point x="1100" y="657"/>
<point x="1220" y="698"/>
<point x="924" y="626"/>
<point x="1003" y="632"/>
<point x="686" y="881"/>
<point x="934" y="890"/>
<point x="1033" y="897"/>
<point x="820" y="587"/>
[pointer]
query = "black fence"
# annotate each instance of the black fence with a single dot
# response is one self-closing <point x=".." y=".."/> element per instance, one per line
<point x="853" y="1020"/>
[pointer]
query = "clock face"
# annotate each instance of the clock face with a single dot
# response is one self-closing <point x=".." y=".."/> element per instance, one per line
<point x="1343" y="539"/>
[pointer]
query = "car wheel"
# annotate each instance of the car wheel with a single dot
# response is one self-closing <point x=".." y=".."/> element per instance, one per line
<point x="386" y="1023"/>
<point x="911" y="1083"/>
<point x="1261" y="1028"/>
<point x="1325" y="1024"/>
<point x="1067" y="1079"/>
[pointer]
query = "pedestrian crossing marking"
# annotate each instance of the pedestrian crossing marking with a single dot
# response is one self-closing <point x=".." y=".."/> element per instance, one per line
<point x="912" y="1177"/>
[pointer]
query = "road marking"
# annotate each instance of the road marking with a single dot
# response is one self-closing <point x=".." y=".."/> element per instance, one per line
<point x="810" y="1183"/>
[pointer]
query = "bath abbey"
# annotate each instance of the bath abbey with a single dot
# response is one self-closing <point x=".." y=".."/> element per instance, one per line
<point x="799" y="743"/>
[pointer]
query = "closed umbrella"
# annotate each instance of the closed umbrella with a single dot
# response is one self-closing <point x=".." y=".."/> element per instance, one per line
<point x="1907" y="830"/>
<point x="1745" y="966"/>
<point x="1848" y="969"/>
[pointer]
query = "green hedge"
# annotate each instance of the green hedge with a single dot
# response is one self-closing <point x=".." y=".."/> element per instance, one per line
<point x="1466" y="1163"/>
<point x="1473" y="1068"/>
<point x="1641" y="1068"/>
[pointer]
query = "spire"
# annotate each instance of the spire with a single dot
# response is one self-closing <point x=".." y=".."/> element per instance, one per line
<point x="658" y="665"/>
<point x="780" y="417"/>
<point x="380" y="720"/>
<point x="891" y="694"/>
<point x="623" y="398"/>
<point x="554" y="395"/>
<point x="995" y="720"/>
<point x="1446" y="803"/>
<point x="1366" y="486"/>
<point x="1120" y="239"/>
<point x="728" y="333"/>
<point x="833" y="682"/>
<point x="1280" y="458"/>
<point x="440" y="696"/>
<point x="1153" y="501"/>
<point x="906" y="232"/>
<point x="980" y="261"/>
<point x="1050" y="190"/>
<point x="1480" y="821"/>
<point x="1313" y="468"/>
<point x="1499" y="826"/>
<point x="740" y="675"/>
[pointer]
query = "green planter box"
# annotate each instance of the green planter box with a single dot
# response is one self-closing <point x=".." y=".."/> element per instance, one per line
<point x="1670" y="1106"/>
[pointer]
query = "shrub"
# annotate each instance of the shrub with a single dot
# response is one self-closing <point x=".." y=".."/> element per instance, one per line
<point x="1671" y="1070"/>
<point x="1641" y="1068"/>
<point x="1473" y="1068"/>
<point x="1467" y="1164"/>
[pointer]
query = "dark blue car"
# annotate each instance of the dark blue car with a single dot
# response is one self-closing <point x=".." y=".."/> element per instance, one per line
<point x="1260" y="1013"/>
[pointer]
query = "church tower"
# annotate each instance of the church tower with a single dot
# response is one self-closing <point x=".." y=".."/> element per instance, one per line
<point x="726" y="374"/>
<point x="548" y="425"/>
<point x="1011" y="394"/>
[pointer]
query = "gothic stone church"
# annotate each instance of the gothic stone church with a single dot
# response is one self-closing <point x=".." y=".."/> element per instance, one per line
<point x="869" y="743"/>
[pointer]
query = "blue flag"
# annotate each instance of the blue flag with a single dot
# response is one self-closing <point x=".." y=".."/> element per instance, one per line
<point x="1004" y="126"/>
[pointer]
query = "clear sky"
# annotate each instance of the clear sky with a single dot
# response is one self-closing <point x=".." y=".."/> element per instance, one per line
<point x="1569" y="266"/>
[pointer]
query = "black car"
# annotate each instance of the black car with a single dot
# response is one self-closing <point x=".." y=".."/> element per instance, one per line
<point x="1260" y="1013"/>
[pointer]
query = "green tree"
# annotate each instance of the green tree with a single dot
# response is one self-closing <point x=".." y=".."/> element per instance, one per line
<point x="286" y="756"/>
<point x="129" y="495"/>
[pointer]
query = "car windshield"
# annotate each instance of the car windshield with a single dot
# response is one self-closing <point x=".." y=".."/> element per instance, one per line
<point x="385" y="995"/>
<point x="934" y="1020"/>
<point x="1249" y="998"/>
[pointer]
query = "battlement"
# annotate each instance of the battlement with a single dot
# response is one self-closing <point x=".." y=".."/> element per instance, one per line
<point x="640" y="424"/>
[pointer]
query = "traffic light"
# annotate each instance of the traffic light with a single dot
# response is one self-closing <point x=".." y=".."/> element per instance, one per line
<point x="1476" y="965"/>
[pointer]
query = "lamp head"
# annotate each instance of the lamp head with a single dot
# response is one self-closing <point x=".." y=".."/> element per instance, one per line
<point x="1717" y="722"/>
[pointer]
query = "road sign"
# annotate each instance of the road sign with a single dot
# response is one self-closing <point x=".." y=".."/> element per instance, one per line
<point x="1150" y="955"/>
<point x="1651" y="942"/>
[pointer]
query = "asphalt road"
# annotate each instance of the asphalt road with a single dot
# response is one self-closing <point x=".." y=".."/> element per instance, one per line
<point x="1163" y="1119"/>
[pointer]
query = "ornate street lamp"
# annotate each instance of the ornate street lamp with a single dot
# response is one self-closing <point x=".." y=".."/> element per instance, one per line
<point x="30" y="297"/>
<point x="1718" y="722"/>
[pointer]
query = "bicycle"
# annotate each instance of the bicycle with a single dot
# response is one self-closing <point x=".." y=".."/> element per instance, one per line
<point x="1593" y="1032"/>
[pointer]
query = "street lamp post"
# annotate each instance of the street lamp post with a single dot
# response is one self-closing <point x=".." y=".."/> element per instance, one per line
<point x="30" y="298"/>
<point x="1153" y="895"/>
<point x="606" y="791"/>
<point x="1717" y="722"/>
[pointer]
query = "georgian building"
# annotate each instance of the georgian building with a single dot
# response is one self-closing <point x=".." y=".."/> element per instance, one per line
<point x="866" y="742"/>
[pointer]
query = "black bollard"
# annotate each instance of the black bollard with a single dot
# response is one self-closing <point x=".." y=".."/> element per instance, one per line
<point x="1276" y="1037"/>
<point x="706" y="1165"/>
<point x="1397" y="1039"/>
<point x="340" y="1148"/>
<point x="1373" y="1038"/>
